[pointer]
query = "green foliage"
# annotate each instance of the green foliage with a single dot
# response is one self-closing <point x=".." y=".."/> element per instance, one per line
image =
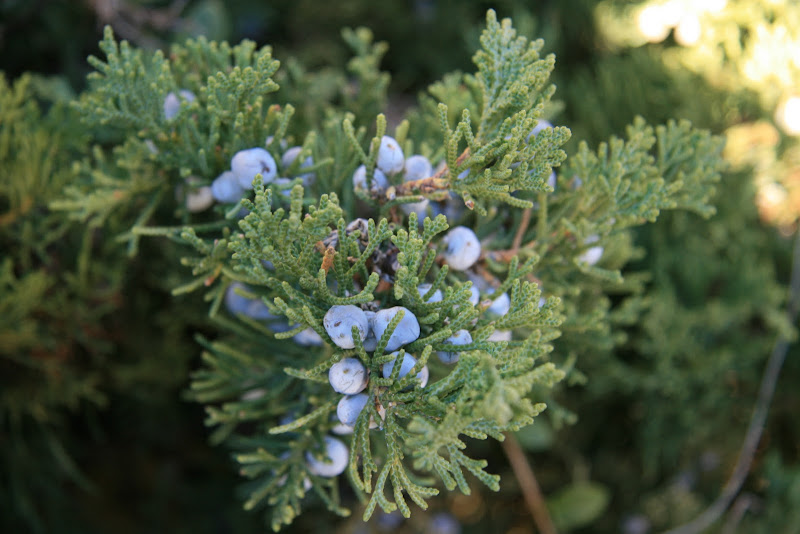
<point x="46" y="312"/>
<point x="300" y="266"/>
<point x="488" y="386"/>
<point x="631" y="317"/>
<point x="52" y="297"/>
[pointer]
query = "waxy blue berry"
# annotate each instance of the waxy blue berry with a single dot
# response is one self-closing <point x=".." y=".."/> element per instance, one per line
<point x="462" y="337"/>
<point x="416" y="168"/>
<point x="379" y="180"/>
<point x="500" y="305"/>
<point x="592" y="254"/>
<point x="172" y="102"/>
<point x="435" y="297"/>
<point x="407" y="329"/>
<point x="199" y="199"/>
<point x="390" y="156"/>
<point x="350" y="407"/>
<point x="348" y="376"/>
<point x="239" y="304"/>
<point x="246" y="164"/>
<point x="308" y="338"/>
<point x="463" y="248"/>
<point x="407" y="364"/>
<point x="288" y="158"/>
<point x="226" y="188"/>
<point x="339" y="322"/>
<point x="334" y="462"/>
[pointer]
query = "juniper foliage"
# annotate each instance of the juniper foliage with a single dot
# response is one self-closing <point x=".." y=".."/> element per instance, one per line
<point x="55" y="290"/>
<point x="300" y="256"/>
<point x="303" y="246"/>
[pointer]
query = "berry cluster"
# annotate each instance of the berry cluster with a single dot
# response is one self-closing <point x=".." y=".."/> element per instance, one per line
<point x="349" y="376"/>
<point x="230" y="186"/>
<point x="239" y="302"/>
<point x="390" y="162"/>
<point x="378" y="368"/>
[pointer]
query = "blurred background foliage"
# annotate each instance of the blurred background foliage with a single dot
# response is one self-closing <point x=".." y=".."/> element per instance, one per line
<point x="94" y="436"/>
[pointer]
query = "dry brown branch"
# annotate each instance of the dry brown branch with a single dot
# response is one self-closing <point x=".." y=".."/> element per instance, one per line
<point x="428" y="185"/>
<point x="528" y="484"/>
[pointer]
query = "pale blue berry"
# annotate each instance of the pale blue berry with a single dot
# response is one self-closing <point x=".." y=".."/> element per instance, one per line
<point x="635" y="524"/>
<point x="463" y="248"/>
<point x="280" y="326"/>
<point x="390" y="156"/>
<point x="339" y="323"/>
<point x="226" y="188"/>
<point x="474" y="295"/>
<point x="246" y="164"/>
<point x="540" y="125"/>
<point x="334" y="461"/>
<point x="407" y="329"/>
<point x="407" y="364"/>
<point x="288" y="158"/>
<point x="423" y="376"/>
<point x="500" y="335"/>
<point x="379" y="180"/>
<point x="348" y="410"/>
<point x="423" y="290"/>
<point x="416" y="168"/>
<point x="253" y="394"/>
<point x="420" y="208"/>
<point x="500" y="305"/>
<point x="350" y="407"/>
<point x="542" y="299"/>
<point x="592" y="254"/>
<point x="462" y="337"/>
<point x="282" y="481"/>
<point x="199" y="199"/>
<point x="172" y="102"/>
<point x="239" y="304"/>
<point x="478" y="282"/>
<point x="340" y="429"/>
<point x="348" y="376"/>
<point x="283" y="186"/>
<point x="308" y="338"/>
<point x="271" y="139"/>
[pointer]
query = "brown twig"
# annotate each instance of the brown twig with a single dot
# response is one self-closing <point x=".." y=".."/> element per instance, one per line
<point x="528" y="484"/>
<point x="757" y="420"/>
<point x="523" y="226"/>
<point x="431" y="184"/>
<point x="516" y="244"/>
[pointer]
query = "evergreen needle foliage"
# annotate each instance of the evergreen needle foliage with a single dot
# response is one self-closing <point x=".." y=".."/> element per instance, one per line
<point x="158" y="131"/>
<point x="300" y="250"/>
